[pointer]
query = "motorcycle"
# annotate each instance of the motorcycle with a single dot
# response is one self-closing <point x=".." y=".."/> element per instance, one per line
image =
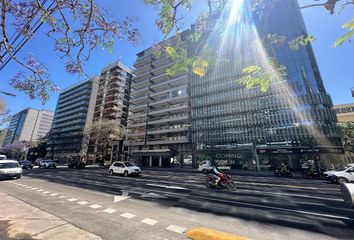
<point x="312" y="174"/>
<point x="282" y="173"/>
<point x="226" y="181"/>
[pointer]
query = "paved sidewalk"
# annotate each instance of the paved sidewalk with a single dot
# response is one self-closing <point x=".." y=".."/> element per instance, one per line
<point x="19" y="220"/>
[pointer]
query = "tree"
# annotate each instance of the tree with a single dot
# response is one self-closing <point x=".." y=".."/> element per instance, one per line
<point x="348" y="135"/>
<point x="103" y="133"/>
<point x="17" y="150"/>
<point x="76" y="27"/>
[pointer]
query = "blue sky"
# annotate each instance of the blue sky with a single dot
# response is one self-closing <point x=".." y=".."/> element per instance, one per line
<point x="336" y="64"/>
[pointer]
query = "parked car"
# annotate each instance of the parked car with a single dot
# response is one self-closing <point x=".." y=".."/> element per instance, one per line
<point x="206" y="166"/>
<point x="10" y="168"/>
<point x="330" y="175"/>
<point x="344" y="176"/>
<point x="25" y="164"/>
<point x="3" y="157"/>
<point x="125" y="168"/>
<point x="47" y="164"/>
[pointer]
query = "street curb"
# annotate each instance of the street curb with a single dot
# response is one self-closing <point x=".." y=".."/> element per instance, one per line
<point x="203" y="233"/>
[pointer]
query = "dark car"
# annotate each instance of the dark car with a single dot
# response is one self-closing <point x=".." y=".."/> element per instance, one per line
<point x="25" y="164"/>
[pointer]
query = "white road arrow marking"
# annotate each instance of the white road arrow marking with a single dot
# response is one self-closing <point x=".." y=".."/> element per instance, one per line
<point x="122" y="197"/>
<point x="164" y="186"/>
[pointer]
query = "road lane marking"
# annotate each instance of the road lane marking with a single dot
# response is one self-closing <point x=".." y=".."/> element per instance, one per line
<point x="82" y="202"/>
<point x="149" y="221"/>
<point x="62" y="196"/>
<point x="95" y="206"/>
<point x="127" y="215"/>
<point x="72" y="199"/>
<point x="122" y="197"/>
<point x="165" y="186"/>
<point x="110" y="210"/>
<point x="46" y="192"/>
<point x="39" y="190"/>
<point x="34" y="188"/>
<point x="28" y="187"/>
<point x="54" y="194"/>
<point x="177" y="229"/>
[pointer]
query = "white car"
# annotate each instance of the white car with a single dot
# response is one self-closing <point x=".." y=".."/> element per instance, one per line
<point x="10" y="168"/>
<point x="345" y="176"/>
<point x="3" y="157"/>
<point x="125" y="168"/>
<point x="47" y="164"/>
<point x="330" y="175"/>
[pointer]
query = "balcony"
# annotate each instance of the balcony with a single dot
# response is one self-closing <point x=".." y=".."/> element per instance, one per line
<point x="170" y="82"/>
<point x="168" y="141"/>
<point x="140" y="92"/>
<point x="138" y="108"/>
<point x="167" y="130"/>
<point x="133" y="143"/>
<point x="168" y="90"/>
<point x="136" y="134"/>
<point x="136" y="125"/>
<point x="165" y="101"/>
<point x="173" y="109"/>
<point x="169" y="120"/>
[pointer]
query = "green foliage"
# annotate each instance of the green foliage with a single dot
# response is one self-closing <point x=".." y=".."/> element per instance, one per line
<point x="347" y="36"/>
<point x="259" y="76"/>
<point x="302" y="40"/>
<point x="347" y="129"/>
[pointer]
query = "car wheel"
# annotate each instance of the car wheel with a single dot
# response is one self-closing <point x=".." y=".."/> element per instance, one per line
<point x="126" y="173"/>
<point x="111" y="172"/>
<point x="18" y="177"/>
<point x="342" y="180"/>
<point x="39" y="166"/>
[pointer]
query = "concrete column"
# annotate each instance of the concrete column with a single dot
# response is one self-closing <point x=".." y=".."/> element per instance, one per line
<point x="150" y="161"/>
<point x="160" y="161"/>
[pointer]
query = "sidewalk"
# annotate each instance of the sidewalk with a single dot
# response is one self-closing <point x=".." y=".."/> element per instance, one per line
<point x="19" y="220"/>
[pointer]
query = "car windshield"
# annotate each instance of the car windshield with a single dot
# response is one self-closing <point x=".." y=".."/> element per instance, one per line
<point x="8" y="165"/>
<point x="2" y="158"/>
<point x="128" y="164"/>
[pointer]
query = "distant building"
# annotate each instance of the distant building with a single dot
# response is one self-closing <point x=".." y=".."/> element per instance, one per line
<point x="73" y="116"/>
<point x="2" y="135"/>
<point x="345" y="112"/>
<point x="112" y="103"/>
<point x="28" y="125"/>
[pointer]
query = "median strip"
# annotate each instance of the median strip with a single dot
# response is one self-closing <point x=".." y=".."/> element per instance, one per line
<point x="203" y="233"/>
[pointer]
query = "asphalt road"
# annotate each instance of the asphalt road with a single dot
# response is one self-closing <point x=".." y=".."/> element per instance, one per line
<point x="164" y="204"/>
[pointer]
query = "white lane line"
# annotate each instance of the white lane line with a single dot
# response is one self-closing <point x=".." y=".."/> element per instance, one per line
<point x="95" y="206"/>
<point x="72" y="199"/>
<point x="34" y="188"/>
<point x="127" y="215"/>
<point x="28" y="187"/>
<point x="110" y="210"/>
<point x="62" y="196"/>
<point x="177" y="229"/>
<point x="149" y="221"/>
<point x="39" y="190"/>
<point x="46" y="192"/>
<point x="54" y="194"/>
<point x="165" y="186"/>
<point x="82" y="202"/>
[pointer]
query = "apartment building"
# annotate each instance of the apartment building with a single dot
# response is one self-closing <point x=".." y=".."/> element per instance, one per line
<point x="73" y="116"/>
<point x="159" y="121"/>
<point x="345" y="112"/>
<point x="112" y="103"/>
<point x="28" y="125"/>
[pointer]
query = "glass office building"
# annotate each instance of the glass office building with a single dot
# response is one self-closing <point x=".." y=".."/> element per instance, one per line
<point x="228" y="120"/>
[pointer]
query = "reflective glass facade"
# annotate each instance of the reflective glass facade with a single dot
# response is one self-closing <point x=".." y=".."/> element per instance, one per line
<point x="294" y="108"/>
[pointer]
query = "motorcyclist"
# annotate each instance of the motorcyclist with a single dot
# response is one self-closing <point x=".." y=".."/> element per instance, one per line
<point x="216" y="172"/>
